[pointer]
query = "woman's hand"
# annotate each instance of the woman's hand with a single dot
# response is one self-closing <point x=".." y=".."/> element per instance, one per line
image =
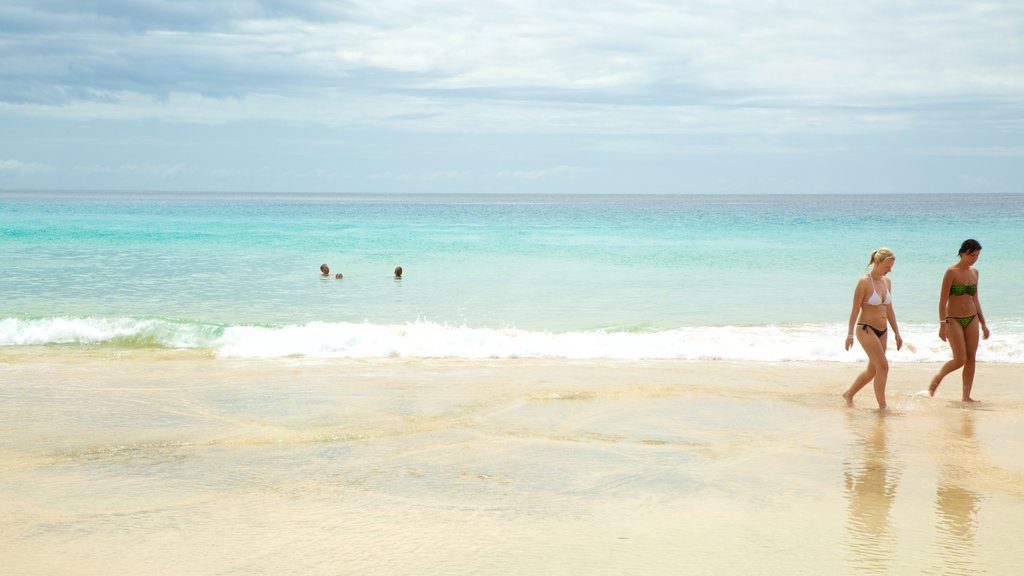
<point x="942" y="331"/>
<point x="899" y="341"/>
<point x="984" y="331"/>
<point x="849" y="342"/>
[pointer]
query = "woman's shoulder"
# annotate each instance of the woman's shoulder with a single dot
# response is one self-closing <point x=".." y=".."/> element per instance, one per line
<point x="862" y="283"/>
<point x="959" y="275"/>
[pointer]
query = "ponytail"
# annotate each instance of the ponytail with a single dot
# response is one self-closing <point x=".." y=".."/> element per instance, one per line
<point x="881" y="255"/>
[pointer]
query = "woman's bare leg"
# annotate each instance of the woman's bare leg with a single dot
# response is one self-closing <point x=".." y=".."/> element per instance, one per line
<point x="859" y="382"/>
<point x="878" y="367"/>
<point x="971" y="350"/>
<point x="955" y="337"/>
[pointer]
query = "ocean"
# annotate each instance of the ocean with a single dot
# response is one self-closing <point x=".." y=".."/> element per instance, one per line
<point x="743" y="277"/>
<point x="556" y="385"/>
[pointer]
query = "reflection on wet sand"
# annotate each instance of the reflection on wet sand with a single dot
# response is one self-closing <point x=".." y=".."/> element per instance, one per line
<point x="870" y="479"/>
<point x="956" y="504"/>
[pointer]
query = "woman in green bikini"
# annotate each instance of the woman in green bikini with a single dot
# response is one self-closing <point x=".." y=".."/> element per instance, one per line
<point x="960" y="317"/>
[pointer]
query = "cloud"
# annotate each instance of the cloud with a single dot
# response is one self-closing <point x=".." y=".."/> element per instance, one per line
<point x="156" y="170"/>
<point x="554" y="171"/>
<point x="597" y="85"/>
<point x="981" y="183"/>
<point x="17" y="167"/>
<point x="646" y="52"/>
<point x="435" y="176"/>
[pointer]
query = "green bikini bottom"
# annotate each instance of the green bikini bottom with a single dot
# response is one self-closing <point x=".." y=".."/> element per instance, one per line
<point x="965" y="321"/>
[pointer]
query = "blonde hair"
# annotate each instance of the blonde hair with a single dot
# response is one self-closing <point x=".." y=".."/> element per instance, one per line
<point x="881" y="255"/>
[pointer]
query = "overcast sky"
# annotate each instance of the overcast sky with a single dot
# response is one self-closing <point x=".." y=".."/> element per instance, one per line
<point x="628" y="96"/>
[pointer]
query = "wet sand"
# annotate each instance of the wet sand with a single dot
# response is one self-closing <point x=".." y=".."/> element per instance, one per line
<point x="179" y="463"/>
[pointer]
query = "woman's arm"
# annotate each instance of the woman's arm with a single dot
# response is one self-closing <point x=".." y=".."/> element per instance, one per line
<point x="890" y="315"/>
<point x="858" y="297"/>
<point x="977" y="306"/>
<point x="947" y="281"/>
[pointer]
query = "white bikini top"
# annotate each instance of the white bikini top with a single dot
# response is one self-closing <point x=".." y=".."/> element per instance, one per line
<point x="875" y="299"/>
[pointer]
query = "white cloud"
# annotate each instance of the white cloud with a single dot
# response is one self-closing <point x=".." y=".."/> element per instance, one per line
<point x="435" y="176"/>
<point x="156" y="171"/>
<point x="654" y="79"/>
<point x="11" y="166"/>
<point x="554" y="171"/>
<point x="438" y="114"/>
<point x="664" y="53"/>
<point x="983" y="183"/>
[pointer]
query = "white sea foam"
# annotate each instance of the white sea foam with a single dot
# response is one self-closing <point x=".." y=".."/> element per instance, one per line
<point x="133" y="332"/>
<point x="806" y="342"/>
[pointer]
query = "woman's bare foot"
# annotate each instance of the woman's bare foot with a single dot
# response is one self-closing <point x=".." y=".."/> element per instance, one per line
<point x="849" y="399"/>
<point x="969" y="399"/>
<point x="933" y="386"/>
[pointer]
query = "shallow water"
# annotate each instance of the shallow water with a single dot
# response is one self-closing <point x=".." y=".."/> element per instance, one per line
<point x="630" y="277"/>
<point x="178" y="463"/>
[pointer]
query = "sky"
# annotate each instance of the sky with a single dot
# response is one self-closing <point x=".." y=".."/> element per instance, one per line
<point x="524" y="96"/>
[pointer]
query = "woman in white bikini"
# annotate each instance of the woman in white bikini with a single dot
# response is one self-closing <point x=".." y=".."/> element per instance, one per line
<point x="872" y="313"/>
<point x="960" y="316"/>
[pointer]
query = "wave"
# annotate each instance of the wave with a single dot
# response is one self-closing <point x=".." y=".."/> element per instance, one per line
<point x="804" y="342"/>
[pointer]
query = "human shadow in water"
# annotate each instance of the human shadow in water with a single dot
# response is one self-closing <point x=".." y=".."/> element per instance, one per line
<point x="956" y="504"/>
<point x="870" y="479"/>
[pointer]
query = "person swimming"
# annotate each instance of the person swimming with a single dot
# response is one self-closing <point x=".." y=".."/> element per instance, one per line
<point x="325" y="271"/>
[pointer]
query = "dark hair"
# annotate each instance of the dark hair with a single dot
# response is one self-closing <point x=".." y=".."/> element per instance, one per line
<point x="970" y="245"/>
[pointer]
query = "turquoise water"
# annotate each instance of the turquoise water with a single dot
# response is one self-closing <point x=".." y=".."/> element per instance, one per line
<point x="760" y="277"/>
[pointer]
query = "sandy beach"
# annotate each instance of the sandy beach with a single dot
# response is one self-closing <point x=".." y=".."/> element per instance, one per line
<point x="510" y="289"/>
<point x="179" y="463"/>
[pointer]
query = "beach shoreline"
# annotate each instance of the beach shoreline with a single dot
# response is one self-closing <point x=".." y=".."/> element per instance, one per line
<point x="811" y="376"/>
<point x="182" y="463"/>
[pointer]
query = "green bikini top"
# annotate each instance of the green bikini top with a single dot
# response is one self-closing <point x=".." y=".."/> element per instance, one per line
<point x="961" y="289"/>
